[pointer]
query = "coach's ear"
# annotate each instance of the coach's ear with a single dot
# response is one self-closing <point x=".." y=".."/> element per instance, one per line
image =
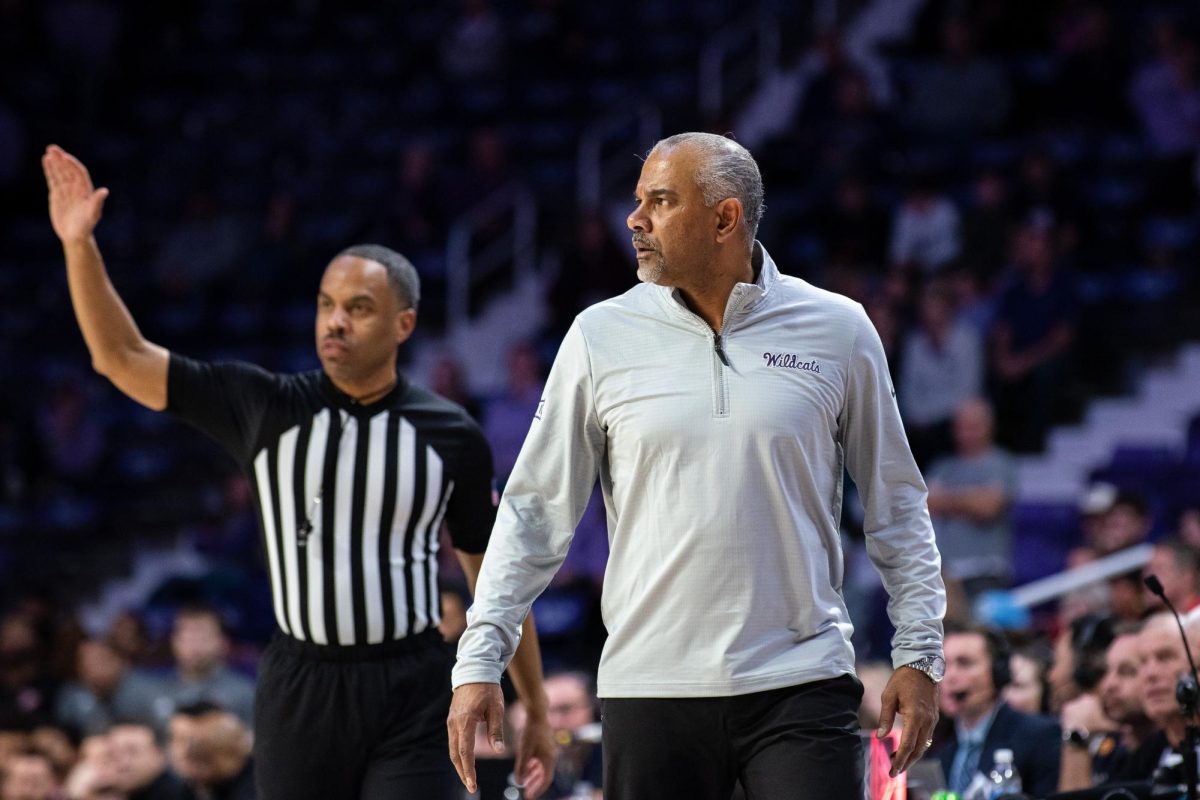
<point x="406" y="323"/>
<point x="729" y="218"/>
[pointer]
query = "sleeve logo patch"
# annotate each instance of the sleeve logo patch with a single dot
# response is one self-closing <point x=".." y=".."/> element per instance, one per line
<point x="791" y="361"/>
<point x="541" y="408"/>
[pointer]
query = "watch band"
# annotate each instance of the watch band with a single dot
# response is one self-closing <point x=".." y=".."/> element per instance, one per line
<point x="1077" y="737"/>
<point x="933" y="667"/>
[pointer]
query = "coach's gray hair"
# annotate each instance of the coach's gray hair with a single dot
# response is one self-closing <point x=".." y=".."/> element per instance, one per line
<point x="726" y="170"/>
<point x="401" y="274"/>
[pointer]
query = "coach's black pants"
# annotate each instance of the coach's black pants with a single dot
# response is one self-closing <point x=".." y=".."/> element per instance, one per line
<point x="353" y="723"/>
<point x="800" y="742"/>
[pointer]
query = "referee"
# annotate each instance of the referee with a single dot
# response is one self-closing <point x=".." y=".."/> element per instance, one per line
<point x="354" y="471"/>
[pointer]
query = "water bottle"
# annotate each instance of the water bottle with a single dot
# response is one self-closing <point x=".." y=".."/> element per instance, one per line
<point x="1004" y="779"/>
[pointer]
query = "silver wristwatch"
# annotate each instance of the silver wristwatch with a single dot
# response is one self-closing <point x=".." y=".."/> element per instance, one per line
<point x="934" y="667"/>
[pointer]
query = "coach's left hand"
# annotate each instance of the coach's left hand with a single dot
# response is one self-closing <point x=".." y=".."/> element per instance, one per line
<point x="536" y="755"/>
<point x="913" y="696"/>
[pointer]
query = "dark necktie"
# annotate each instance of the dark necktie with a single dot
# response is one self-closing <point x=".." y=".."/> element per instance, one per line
<point x="967" y="767"/>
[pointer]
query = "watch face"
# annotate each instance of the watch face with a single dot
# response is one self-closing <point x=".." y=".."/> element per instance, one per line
<point x="937" y="668"/>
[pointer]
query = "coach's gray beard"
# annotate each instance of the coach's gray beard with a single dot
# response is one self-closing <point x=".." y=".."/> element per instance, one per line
<point x="652" y="272"/>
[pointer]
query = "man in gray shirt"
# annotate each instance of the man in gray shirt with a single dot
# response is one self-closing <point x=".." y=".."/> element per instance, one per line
<point x="718" y="403"/>
<point x="969" y="498"/>
<point x="201" y="646"/>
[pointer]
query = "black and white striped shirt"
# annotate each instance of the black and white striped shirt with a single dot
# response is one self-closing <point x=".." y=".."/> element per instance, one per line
<point x="350" y="497"/>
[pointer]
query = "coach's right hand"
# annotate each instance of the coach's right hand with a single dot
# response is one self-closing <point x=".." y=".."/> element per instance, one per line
<point x="474" y="703"/>
<point x="75" y="205"/>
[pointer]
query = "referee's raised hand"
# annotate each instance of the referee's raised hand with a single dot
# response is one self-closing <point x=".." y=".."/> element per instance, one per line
<point x="75" y="205"/>
<point x="119" y="352"/>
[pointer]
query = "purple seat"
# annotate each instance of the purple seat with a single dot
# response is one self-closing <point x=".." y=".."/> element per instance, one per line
<point x="1043" y="534"/>
<point x="1140" y="469"/>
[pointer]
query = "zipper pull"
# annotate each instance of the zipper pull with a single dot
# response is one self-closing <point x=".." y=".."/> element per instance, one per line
<point x="720" y="349"/>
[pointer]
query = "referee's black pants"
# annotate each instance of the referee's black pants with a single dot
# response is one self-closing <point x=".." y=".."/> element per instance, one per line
<point x="800" y="742"/>
<point x="354" y="723"/>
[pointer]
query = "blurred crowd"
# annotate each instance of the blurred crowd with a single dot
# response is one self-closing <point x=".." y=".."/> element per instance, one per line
<point x="120" y="715"/>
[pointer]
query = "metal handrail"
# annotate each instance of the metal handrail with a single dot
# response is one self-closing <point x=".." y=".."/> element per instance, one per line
<point x="595" y="169"/>
<point x="516" y="247"/>
<point x="717" y="68"/>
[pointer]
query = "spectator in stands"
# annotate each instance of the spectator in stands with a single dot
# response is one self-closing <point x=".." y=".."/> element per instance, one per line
<point x="986" y="228"/>
<point x="1043" y="198"/>
<point x="1165" y="94"/>
<point x="969" y="498"/>
<point x="28" y="687"/>
<point x="1177" y="567"/>
<point x="417" y="217"/>
<point x="854" y="133"/>
<point x="885" y="318"/>
<point x="29" y="776"/>
<point x="487" y="170"/>
<point x="1094" y="504"/>
<point x="925" y="230"/>
<point x="1104" y="744"/>
<point x="828" y="62"/>
<point x="210" y="749"/>
<point x="140" y="764"/>
<point x="12" y="744"/>
<point x="1078" y="662"/>
<point x="961" y="95"/>
<point x="942" y="369"/>
<point x="107" y="689"/>
<point x="506" y="418"/>
<point x="1126" y="523"/>
<point x="572" y="712"/>
<point x="1120" y="695"/>
<point x="475" y="44"/>
<point x="455" y="601"/>
<point x="1092" y="62"/>
<point x="1161" y="661"/>
<point x="1189" y="526"/>
<point x="976" y="671"/>
<point x="200" y="645"/>
<point x="1081" y="719"/>
<point x="1031" y="340"/>
<point x="127" y="633"/>
<point x="1029" y="689"/>
<point x="94" y="776"/>
<point x="855" y="231"/>
<point x="75" y="441"/>
<point x="54" y="743"/>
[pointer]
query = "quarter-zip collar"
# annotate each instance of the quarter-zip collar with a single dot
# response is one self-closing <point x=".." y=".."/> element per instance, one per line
<point x="744" y="298"/>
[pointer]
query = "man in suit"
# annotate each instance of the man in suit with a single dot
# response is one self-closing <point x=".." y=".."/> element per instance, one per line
<point x="976" y="670"/>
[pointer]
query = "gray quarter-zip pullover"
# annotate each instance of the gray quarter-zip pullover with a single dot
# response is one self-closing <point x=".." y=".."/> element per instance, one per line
<point x="720" y="459"/>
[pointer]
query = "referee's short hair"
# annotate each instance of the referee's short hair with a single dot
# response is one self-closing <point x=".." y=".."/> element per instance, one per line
<point x="402" y="275"/>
